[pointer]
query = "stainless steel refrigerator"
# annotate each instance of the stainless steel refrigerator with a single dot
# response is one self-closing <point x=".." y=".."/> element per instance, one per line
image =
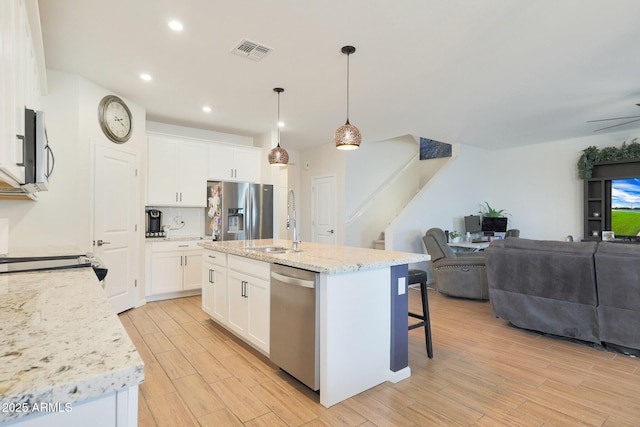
<point x="239" y="211"/>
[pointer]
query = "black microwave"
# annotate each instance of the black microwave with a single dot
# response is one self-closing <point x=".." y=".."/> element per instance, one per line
<point x="37" y="156"/>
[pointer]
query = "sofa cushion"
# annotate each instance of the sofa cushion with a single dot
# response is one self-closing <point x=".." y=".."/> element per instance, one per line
<point x="618" y="275"/>
<point x="552" y="246"/>
<point x="556" y="270"/>
<point x="545" y="286"/>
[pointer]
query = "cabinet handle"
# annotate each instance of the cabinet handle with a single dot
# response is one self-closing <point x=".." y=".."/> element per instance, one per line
<point x="176" y="196"/>
<point x="180" y="260"/>
<point x="183" y="246"/>
<point x="210" y="276"/>
<point x="185" y="260"/>
<point x="180" y="196"/>
<point x="243" y="289"/>
<point x="50" y="166"/>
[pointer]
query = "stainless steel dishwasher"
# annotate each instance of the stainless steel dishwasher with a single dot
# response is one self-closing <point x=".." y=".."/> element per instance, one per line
<point x="294" y="340"/>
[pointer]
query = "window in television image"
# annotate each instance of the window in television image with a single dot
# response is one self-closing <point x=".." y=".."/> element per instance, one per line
<point x="625" y="207"/>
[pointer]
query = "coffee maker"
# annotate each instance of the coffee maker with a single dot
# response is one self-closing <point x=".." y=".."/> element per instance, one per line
<point x="154" y="223"/>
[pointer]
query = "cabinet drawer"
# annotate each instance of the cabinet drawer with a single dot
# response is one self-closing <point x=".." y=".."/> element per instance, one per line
<point x="213" y="257"/>
<point x="175" y="245"/>
<point x="250" y="267"/>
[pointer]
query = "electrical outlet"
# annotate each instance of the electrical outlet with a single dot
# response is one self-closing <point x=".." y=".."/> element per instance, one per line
<point x="178" y="219"/>
<point x="402" y="285"/>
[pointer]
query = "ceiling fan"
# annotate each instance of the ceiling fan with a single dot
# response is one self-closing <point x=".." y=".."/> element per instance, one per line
<point x="635" y="119"/>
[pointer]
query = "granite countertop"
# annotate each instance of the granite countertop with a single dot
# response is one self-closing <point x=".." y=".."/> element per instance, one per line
<point x="61" y="341"/>
<point x="44" y="251"/>
<point x="175" y="238"/>
<point x="328" y="259"/>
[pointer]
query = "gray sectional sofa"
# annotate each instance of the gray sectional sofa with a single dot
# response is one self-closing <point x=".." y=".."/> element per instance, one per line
<point x="588" y="290"/>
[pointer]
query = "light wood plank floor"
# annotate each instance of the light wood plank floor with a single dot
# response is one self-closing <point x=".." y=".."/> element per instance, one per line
<point x="484" y="373"/>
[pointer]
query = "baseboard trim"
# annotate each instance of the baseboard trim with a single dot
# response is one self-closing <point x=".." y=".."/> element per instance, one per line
<point x="400" y="375"/>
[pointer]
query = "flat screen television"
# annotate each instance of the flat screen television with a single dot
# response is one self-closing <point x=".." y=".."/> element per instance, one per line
<point x="494" y="224"/>
<point x="625" y="207"/>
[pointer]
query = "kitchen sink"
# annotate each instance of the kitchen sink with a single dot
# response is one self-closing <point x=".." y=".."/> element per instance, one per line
<point x="275" y="249"/>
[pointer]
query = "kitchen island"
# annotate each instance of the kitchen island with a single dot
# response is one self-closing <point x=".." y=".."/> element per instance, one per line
<point x="66" y="359"/>
<point x="362" y="309"/>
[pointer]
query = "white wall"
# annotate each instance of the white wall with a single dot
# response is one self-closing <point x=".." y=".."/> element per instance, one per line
<point x="546" y="199"/>
<point x="206" y="135"/>
<point x="371" y="167"/>
<point x="61" y="216"/>
<point x="380" y="180"/>
<point x="455" y="191"/>
<point x="321" y="160"/>
<point x="537" y="184"/>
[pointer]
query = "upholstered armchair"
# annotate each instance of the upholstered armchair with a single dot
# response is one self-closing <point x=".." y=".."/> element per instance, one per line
<point x="456" y="274"/>
<point x="512" y="232"/>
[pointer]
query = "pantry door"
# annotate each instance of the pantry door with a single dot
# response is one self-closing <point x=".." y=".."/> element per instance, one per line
<point x="115" y="227"/>
<point x="324" y="209"/>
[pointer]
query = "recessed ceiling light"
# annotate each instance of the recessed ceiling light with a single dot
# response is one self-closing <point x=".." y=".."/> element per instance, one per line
<point x="146" y="77"/>
<point x="206" y="109"/>
<point x="280" y="124"/>
<point x="176" y="25"/>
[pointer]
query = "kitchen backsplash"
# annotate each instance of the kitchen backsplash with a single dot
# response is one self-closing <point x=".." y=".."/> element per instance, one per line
<point x="193" y="220"/>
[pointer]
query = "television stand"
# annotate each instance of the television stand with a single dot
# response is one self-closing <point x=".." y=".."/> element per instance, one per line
<point x="597" y="196"/>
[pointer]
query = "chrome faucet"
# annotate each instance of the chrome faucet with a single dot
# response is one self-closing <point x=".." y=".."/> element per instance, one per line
<point x="291" y="203"/>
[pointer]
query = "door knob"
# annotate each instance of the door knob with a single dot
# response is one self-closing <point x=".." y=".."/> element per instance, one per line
<point x="330" y="231"/>
<point x="100" y="243"/>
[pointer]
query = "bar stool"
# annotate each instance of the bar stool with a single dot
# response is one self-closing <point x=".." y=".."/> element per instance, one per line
<point x="420" y="276"/>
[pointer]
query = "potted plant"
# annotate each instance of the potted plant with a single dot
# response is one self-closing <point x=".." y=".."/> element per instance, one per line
<point x="488" y="211"/>
<point x="455" y="236"/>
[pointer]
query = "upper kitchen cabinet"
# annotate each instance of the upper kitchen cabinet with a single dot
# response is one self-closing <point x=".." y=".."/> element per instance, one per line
<point x="22" y="80"/>
<point x="177" y="172"/>
<point x="234" y="163"/>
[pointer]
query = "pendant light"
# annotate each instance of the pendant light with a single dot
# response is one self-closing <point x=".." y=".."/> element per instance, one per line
<point x="278" y="156"/>
<point x="348" y="136"/>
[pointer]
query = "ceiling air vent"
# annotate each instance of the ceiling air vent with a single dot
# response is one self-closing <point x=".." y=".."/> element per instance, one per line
<point x="251" y="50"/>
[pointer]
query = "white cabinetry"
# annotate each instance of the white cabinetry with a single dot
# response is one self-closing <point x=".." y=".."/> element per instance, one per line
<point x="250" y="300"/>
<point x="236" y="292"/>
<point x="174" y="267"/>
<point x="177" y="173"/>
<point x="229" y="163"/>
<point x="21" y="74"/>
<point x="117" y="409"/>
<point x="214" y="285"/>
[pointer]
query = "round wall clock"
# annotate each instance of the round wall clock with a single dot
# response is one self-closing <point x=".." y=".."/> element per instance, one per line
<point x="115" y="119"/>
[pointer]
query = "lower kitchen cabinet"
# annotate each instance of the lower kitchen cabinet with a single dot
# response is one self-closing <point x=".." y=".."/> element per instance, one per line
<point x="174" y="267"/>
<point x="243" y="305"/>
<point x="214" y="286"/>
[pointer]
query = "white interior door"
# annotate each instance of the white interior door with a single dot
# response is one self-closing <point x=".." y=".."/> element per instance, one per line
<point x="115" y="199"/>
<point x="324" y="209"/>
